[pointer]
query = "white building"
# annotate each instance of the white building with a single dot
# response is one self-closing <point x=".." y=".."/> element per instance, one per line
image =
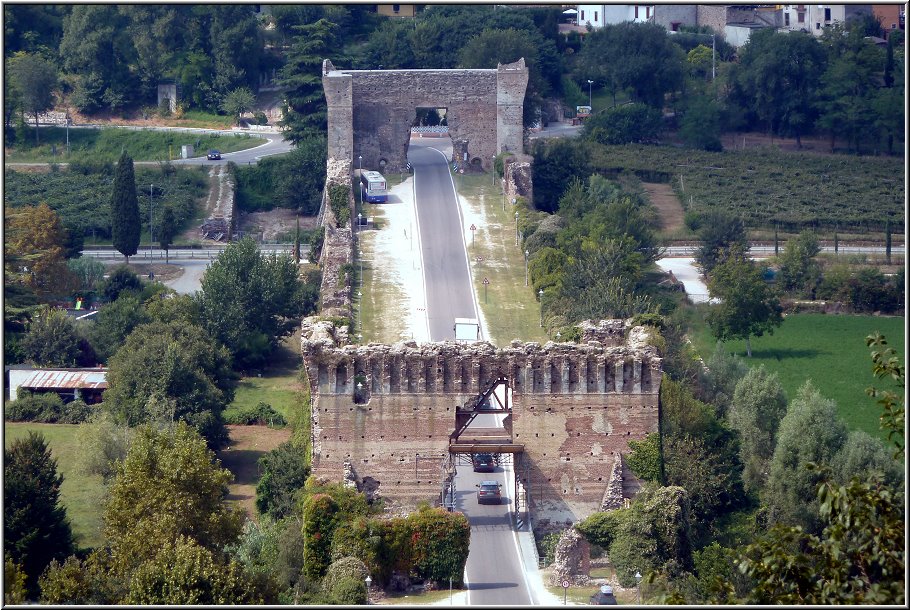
<point x="599" y="15"/>
<point x="815" y="17"/>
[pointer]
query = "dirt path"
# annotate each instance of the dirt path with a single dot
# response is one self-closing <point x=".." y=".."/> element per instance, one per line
<point x="241" y="456"/>
<point x="669" y="209"/>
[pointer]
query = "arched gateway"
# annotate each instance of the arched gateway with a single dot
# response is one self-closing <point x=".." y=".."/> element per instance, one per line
<point x="370" y="112"/>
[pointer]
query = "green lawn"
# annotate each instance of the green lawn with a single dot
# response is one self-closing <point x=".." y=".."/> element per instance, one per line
<point x="831" y="351"/>
<point x="277" y="385"/>
<point x="80" y="494"/>
<point x="106" y="144"/>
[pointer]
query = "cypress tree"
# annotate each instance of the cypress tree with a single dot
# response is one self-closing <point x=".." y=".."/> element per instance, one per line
<point x="167" y="232"/>
<point x="125" y="223"/>
<point x="888" y="241"/>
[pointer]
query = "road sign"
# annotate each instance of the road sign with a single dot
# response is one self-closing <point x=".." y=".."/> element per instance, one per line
<point x="565" y="584"/>
<point x="485" y="281"/>
<point x="473" y="228"/>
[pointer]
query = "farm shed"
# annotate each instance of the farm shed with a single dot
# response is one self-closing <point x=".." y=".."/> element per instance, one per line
<point x="71" y="384"/>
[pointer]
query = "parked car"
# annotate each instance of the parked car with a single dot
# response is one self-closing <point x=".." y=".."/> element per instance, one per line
<point x="214" y="155"/>
<point x="488" y="492"/>
<point x="483" y="462"/>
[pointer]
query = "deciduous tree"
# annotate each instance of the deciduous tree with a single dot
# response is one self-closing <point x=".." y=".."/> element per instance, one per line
<point x="284" y="472"/>
<point x="35" y="526"/>
<point x="237" y="102"/>
<point x="35" y="80"/>
<point x="34" y="248"/>
<point x="758" y="406"/>
<point x="167" y="232"/>
<point x="52" y="339"/>
<point x="125" y="224"/>
<point x="748" y="306"/>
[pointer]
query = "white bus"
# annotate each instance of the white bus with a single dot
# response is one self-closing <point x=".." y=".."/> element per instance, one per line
<point x="373" y="187"/>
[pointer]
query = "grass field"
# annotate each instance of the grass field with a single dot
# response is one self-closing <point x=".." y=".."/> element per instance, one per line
<point x="831" y="351"/>
<point x="509" y="307"/>
<point x="80" y="494"/>
<point x="105" y="144"/>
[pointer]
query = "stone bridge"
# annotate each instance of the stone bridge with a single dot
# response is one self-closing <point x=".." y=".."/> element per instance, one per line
<point x="385" y="415"/>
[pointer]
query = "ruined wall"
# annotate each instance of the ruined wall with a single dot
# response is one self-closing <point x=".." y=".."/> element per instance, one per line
<point x="337" y="247"/>
<point x="389" y="410"/>
<point x="518" y="177"/>
<point x="370" y="111"/>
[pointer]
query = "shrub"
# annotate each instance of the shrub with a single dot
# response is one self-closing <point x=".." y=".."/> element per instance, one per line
<point x="339" y="201"/>
<point x="47" y="408"/>
<point x="349" y="591"/>
<point x="546" y="546"/>
<point x="262" y="414"/>
<point x="624" y="125"/>
<point x="284" y="472"/>
<point x="340" y="574"/>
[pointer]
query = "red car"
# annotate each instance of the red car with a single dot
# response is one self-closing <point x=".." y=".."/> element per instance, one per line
<point x="488" y="493"/>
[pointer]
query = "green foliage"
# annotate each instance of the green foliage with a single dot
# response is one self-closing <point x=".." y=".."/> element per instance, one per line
<point x="89" y="271"/>
<point x="14" y="580"/>
<point x="653" y="534"/>
<point x="170" y="486"/>
<point x="638" y="123"/>
<point x="249" y="301"/>
<point x="718" y="231"/>
<point x="800" y="273"/>
<point x="120" y="279"/>
<point x="46" y="407"/>
<point x="863" y="290"/>
<point x="599" y="528"/>
<point x="102" y="444"/>
<point x="759" y="403"/>
<point x="644" y="459"/>
<point x="556" y="162"/>
<point x="301" y="79"/>
<point x="320" y="518"/>
<point x="763" y="186"/>
<point x="294" y="181"/>
<point x="635" y="57"/>
<point x="125" y="222"/>
<point x="35" y="527"/>
<point x="262" y="415"/>
<point x="810" y="432"/>
<point x="83" y="200"/>
<point x="722" y="372"/>
<point x="34" y="80"/>
<point x="115" y="321"/>
<point x="52" y="340"/>
<point x="166" y="372"/>
<point x="701" y="124"/>
<point x="339" y="201"/>
<point x="284" y="471"/>
<point x="344" y="581"/>
<point x="748" y="306"/>
<point x="439" y="544"/>
<point x="862" y="454"/>
<point x="885" y="363"/>
<point x="238" y="101"/>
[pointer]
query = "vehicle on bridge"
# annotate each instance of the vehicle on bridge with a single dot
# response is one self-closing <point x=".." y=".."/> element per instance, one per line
<point x="483" y="462"/>
<point x="488" y="492"/>
<point x="373" y="187"/>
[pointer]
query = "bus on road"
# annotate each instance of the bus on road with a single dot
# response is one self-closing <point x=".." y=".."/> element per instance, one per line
<point x="373" y="187"/>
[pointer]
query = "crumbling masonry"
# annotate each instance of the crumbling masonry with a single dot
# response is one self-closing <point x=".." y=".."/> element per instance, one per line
<point x="383" y="414"/>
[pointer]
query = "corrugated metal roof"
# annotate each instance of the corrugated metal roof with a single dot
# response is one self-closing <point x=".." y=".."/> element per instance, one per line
<point x="96" y="380"/>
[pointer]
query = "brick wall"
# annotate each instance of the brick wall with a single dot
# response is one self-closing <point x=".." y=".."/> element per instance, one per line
<point x="574" y="408"/>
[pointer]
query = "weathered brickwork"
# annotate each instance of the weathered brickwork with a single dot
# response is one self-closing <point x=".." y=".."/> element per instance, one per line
<point x="389" y="410"/>
<point x="370" y="112"/>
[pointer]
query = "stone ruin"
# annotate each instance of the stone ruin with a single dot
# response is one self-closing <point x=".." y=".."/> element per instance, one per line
<point x="572" y="560"/>
<point x="390" y="412"/>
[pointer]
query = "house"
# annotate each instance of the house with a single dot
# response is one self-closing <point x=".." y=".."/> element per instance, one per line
<point x="599" y="15"/>
<point x="86" y="384"/>
<point x="395" y="10"/>
<point x="735" y="23"/>
<point x="892" y="16"/>
<point x="815" y="18"/>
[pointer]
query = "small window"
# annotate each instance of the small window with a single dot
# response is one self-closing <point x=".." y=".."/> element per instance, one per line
<point x="801" y="17"/>
<point x="827" y="14"/>
<point x="787" y="19"/>
<point x="396" y="8"/>
<point x="582" y="15"/>
<point x="647" y="12"/>
<point x="818" y="26"/>
<point x="595" y="16"/>
<point x="893" y="26"/>
<point x="636" y="12"/>
<point x="674" y="26"/>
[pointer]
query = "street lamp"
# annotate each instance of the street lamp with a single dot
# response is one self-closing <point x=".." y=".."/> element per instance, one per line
<point x="493" y="169"/>
<point x="638" y="584"/>
<point x="369" y="581"/>
<point x="526" y="266"/>
<point x="590" y="82"/>
<point x="540" y="294"/>
<point x="516" y="227"/>
<point x="151" y="232"/>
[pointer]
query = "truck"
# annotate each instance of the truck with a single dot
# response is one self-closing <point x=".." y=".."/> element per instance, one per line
<point x="467" y="330"/>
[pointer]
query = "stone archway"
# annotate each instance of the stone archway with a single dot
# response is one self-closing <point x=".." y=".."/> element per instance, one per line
<point x="370" y="111"/>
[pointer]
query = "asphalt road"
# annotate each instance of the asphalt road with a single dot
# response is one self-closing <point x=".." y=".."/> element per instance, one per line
<point x="446" y="275"/>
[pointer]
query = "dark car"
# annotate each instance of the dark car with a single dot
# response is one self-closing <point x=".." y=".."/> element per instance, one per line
<point x="488" y="492"/>
<point x="483" y="462"/>
<point x="214" y="155"/>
